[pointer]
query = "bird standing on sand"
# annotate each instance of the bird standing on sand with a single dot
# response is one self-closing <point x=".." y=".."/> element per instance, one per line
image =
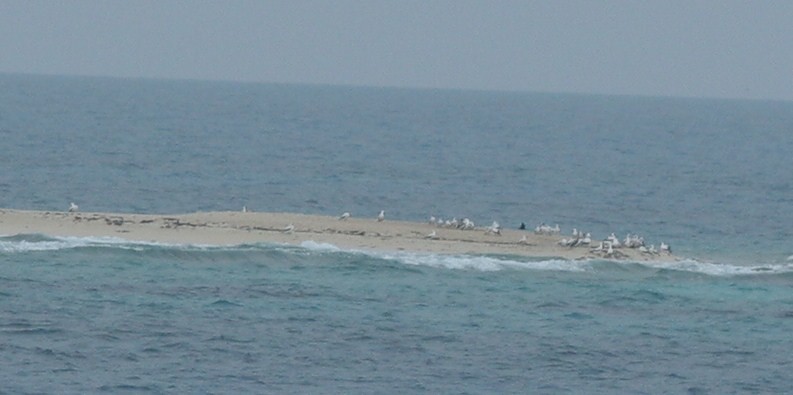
<point x="73" y="207"/>
<point x="344" y="216"/>
<point x="288" y="229"/>
<point x="381" y="216"/>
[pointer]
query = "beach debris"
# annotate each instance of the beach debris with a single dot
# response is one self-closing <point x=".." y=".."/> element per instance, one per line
<point x="344" y="216"/>
<point x="381" y="216"/>
<point x="73" y="208"/>
<point x="117" y="221"/>
<point x="288" y="228"/>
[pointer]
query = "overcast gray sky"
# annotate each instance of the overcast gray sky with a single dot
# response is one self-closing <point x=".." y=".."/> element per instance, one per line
<point x="734" y="49"/>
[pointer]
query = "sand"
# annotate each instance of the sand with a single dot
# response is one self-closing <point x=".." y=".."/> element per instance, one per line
<point x="233" y="228"/>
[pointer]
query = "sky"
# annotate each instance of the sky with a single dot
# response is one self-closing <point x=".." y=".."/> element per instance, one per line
<point x="716" y="49"/>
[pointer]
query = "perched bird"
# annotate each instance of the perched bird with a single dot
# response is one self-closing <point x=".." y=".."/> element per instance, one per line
<point x="467" y="224"/>
<point x="433" y="235"/>
<point x="381" y="216"/>
<point x="344" y="216"/>
<point x="494" y="229"/>
<point x="523" y="240"/>
<point x="288" y="229"/>
<point x="244" y="209"/>
<point x="73" y="207"/>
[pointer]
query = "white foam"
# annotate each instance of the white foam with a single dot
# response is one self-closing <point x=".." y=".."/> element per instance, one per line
<point x="721" y="269"/>
<point x="484" y="263"/>
<point x="314" y="246"/>
<point x="51" y="243"/>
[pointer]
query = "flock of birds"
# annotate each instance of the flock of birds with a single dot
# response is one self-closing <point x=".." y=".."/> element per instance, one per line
<point x="608" y="247"/>
<point x="605" y="247"/>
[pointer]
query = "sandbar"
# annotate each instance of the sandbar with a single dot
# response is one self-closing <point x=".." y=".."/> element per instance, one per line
<point x="228" y="228"/>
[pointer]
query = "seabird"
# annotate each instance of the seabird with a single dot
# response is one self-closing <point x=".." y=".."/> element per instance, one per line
<point x="524" y="240"/>
<point x="73" y="207"/>
<point x="289" y="228"/>
<point x="666" y="248"/>
<point x="615" y="242"/>
<point x="381" y="216"/>
<point x="244" y="209"/>
<point x="522" y="226"/>
<point x="467" y="224"/>
<point x="433" y="235"/>
<point x="344" y="216"/>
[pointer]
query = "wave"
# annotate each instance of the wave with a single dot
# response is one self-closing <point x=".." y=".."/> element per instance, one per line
<point x="33" y="243"/>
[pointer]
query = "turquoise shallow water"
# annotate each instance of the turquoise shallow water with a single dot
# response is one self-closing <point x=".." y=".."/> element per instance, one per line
<point x="100" y="315"/>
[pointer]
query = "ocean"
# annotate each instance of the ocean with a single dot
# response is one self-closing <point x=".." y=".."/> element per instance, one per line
<point x="712" y="178"/>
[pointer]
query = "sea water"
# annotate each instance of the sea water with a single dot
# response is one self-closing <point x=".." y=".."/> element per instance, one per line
<point x="83" y="315"/>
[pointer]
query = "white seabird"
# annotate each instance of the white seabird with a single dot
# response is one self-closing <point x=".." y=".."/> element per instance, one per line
<point x="433" y="235"/>
<point x="494" y="229"/>
<point x="467" y="224"/>
<point x="344" y="216"/>
<point x="73" y="207"/>
<point x="381" y="216"/>
<point x="288" y="229"/>
<point x="244" y="209"/>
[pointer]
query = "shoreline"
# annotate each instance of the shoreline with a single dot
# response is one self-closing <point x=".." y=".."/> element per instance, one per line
<point x="233" y="228"/>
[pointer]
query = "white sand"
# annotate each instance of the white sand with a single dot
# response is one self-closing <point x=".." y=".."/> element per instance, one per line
<point x="232" y="228"/>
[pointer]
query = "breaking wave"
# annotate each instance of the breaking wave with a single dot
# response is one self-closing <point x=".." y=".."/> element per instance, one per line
<point x="33" y="243"/>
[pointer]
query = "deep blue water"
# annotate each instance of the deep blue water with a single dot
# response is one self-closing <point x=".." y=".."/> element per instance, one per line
<point x="711" y="177"/>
